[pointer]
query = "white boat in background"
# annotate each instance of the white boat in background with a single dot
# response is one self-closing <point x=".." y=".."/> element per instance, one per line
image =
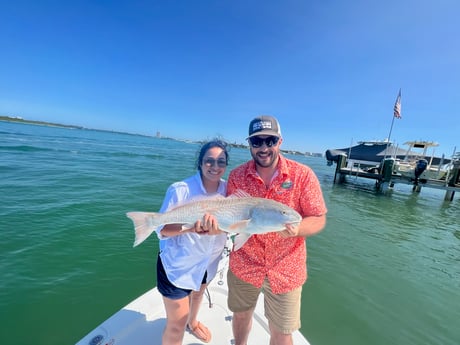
<point x="418" y="164"/>
<point x="142" y="321"/>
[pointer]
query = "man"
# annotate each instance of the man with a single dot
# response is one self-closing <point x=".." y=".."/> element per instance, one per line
<point x="274" y="262"/>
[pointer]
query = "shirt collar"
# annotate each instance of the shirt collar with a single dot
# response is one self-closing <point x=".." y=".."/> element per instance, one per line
<point x="220" y="189"/>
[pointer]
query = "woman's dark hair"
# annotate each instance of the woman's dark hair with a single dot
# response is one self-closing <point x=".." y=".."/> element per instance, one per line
<point x="209" y="145"/>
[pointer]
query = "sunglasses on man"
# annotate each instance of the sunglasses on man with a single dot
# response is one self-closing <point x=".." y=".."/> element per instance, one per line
<point x="257" y="142"/>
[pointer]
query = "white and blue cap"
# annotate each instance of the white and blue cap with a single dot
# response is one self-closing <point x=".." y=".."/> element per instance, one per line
<point x="264" y="125"/>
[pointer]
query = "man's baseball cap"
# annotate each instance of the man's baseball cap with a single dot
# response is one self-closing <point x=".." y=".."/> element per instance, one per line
<point x="264" y="125"/>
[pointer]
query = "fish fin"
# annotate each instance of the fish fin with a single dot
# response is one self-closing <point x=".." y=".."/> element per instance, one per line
<point x="240" y="239"/>
<point x="197" y="198"/>
<point x="238" y="226"/>
<point x="143" y="226"/>
<point x="239" y="193"/>
<point x="207" y="197"/>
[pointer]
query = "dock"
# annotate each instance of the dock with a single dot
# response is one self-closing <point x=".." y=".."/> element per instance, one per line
<point x="385" y="178"/>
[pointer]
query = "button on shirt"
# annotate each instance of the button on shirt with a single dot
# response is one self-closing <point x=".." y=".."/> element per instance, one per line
<point x="188" y="256"/>
<point x="281" y="260"/>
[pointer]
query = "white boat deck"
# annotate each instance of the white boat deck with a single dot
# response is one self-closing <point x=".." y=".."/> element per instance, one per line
<point x="142" y="321"/>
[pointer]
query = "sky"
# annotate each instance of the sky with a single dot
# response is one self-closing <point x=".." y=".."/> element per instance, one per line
<point x="329" y="70"/>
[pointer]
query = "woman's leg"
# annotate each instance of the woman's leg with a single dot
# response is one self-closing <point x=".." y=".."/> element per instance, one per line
<point x="177" y="311"/>
<point x="200" y="330"/>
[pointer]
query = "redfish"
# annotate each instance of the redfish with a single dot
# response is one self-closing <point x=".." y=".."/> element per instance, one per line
<point x="244" y="216"/>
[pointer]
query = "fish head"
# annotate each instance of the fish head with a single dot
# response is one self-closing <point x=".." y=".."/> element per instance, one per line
<point x="270" y="215"/>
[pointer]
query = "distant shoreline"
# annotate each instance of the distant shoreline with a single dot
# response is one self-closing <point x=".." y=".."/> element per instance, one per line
<point x="51" y="124"/>
<point x="32" y="122"/>
<point x="60" y="125"/>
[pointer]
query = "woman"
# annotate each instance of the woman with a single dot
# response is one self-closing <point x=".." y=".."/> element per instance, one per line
<point x="188" y="259"/>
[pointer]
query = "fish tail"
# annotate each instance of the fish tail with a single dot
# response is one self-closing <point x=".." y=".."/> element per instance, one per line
<point x="143" y="225"/>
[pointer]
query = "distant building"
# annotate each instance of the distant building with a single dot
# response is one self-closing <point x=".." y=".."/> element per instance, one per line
<point x="313" y="154"/>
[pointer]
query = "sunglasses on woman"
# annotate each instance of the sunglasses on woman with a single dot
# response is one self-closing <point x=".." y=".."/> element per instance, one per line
<point x="210" y="162"/>
<point x="257" y="142"/>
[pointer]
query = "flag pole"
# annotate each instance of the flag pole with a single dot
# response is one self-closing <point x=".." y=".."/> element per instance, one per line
<point x="396" y="114"/>
<point x="389" y="136"/>
<point x="391" y="129"/>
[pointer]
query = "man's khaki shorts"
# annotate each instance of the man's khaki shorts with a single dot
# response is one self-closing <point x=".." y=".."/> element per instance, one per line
<point x="283" y="310"/>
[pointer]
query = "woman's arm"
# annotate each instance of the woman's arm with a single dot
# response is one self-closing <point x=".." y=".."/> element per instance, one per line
<point x="207" y="226"/>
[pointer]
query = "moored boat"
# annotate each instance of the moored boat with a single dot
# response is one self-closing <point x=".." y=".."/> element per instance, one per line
<point x="368" y="156"/>
<point x="365" y="153"/>
<point x="417" y="164"/>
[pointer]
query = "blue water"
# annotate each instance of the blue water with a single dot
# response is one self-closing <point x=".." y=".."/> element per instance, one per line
<point x="386" y="270"/>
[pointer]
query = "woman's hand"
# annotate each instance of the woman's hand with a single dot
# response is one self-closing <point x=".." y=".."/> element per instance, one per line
<point x="207" y="226"/>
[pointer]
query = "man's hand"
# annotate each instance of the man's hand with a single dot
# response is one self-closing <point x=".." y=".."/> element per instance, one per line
<point x="291" y="230"/>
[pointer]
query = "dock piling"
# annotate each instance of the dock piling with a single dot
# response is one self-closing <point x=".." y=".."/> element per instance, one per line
<point x="341" y="163"/>
<point x="453" y="181"/>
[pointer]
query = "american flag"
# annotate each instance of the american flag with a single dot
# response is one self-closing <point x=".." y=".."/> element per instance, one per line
<point x="397" y="107"/>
